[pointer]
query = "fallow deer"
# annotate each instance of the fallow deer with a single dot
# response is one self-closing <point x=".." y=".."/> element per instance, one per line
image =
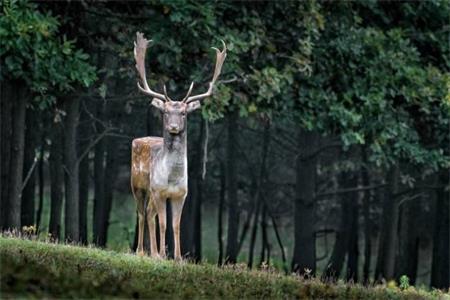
<point x="159" y="165"/>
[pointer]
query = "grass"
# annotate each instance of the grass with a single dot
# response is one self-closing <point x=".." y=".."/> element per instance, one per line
<point x="32" y="269"/>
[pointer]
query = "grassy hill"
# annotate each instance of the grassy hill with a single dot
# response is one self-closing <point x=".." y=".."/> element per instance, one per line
<point x="38" y="270"/>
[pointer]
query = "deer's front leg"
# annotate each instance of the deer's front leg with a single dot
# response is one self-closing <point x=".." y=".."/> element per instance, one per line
<point x="177" y="209"/>
<point x="161" y="208"/>
<point x="151" y="213"/>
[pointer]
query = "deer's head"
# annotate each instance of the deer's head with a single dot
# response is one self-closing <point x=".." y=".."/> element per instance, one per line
<point x="174" y="112"/>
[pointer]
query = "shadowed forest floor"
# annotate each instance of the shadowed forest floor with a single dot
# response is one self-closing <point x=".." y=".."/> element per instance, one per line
<point x="38" y="269"/>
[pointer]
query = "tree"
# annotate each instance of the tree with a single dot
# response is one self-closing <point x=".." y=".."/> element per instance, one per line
<point x="37" y="63"/>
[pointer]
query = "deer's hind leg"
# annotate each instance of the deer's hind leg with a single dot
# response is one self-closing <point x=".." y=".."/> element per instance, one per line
<point x="139" y="196"/>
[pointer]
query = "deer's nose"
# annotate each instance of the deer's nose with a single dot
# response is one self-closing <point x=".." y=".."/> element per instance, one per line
<point x="173" y="127"/>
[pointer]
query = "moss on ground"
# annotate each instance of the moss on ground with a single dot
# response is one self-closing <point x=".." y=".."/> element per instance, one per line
<point x="41" y="270"/>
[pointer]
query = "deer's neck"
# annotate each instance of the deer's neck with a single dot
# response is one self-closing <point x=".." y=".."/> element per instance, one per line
<point x="175" y="156"/>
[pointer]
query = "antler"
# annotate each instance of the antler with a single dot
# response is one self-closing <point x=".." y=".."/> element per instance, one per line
<point x="140" y="48"/>
<point x="220" y="58"/>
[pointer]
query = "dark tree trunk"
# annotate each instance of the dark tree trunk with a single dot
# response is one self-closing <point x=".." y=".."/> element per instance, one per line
<point x="191" y="217"/>
<point x="408" y="255"/>
<point x="28" y="196"/>
<point x="16" y="166"/>
<point x="352" y="246"/>
<point x="111" y="170"/>
<point x="83" y="134"/>
<point x="343" y="234"/>
<point x="56" y="180"/>
<point x="277" y="235"/>
<point x="440" y="268"/>
<point x="99" y="179"/>
<point x="41" y="184"/>
<point x="220" y="212"/>
<point x="198" y="221"/>
<point x="259" y="201"/>
<point x="265" y="247"/>
<point x="388" y="235"/>
<point x="304" y="216"/>
<point x="233" y="213"/>
<point x="367" y="196"/>
<point x="251" y="249"/>
<point x="84" y="198"/>
<point x="248" y="221"/>
<point x="72" y="216"/>
<point x="5" y="157"/>
<point x="197" y="240"/>
<point x="186" y="229"/>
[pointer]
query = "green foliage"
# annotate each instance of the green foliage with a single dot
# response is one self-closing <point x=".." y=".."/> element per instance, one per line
<point x="404" y="282"/>
<point x="373" y="86"/>
<point x="373" y="73"/>
<point x="348" y="69"/>
<point x="64" y="271"/>
<point x="34" y="52"/>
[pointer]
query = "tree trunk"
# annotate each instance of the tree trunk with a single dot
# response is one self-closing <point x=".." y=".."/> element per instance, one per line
<point x="304" y="216"/>
<point x="220" y="213"/>
<point x="16" y="166"/>
<point x="265" y="247"/>
<point x="440" y="268"/>
<point x="28" y="196"/>
<point x="367" y="196"/>
<point x="111" y="171"/>
<point x="83" y="133"/>
<point x="277" y="235"/>
<point x="408" y="255"/>
<point x="56" y="180"/>
<point x="251" y="249"/>
<point x="72" y="216"/>
<point x="84" y="198"/>
<point x="388" y="235"/>
<point x="191" y="217"/>
<point x="233" y="213"/>
<point x="41" y="184"/>
<point x="99" y="179"/>
<point x="197" y="239"/>
<point x="7" y="96"/>
<point x="334" y="266"/>
<point x="352" y="246"/>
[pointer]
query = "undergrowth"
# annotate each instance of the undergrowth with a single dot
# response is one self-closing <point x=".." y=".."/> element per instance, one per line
<point x="46" y="270"/>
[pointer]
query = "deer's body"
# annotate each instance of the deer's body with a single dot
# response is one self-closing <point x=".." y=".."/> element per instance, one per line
<point x="159" y="165"/>
<point x="157" y="168"/>
<point x="158" y="174"/>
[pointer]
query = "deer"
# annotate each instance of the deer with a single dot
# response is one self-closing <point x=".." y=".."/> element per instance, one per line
<point x="159" y="164"/>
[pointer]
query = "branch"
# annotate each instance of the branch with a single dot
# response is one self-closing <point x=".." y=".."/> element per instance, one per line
<point x="410" y="198"/>
<point x="24" y="184"/>
<point x="350" y="190"/>
<point x="92" y="144"/>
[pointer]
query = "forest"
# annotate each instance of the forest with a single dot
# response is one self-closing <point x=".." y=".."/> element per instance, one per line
<point x="324" y="150"/>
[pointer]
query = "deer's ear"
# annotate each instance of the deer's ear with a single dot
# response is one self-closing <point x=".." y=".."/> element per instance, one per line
<point x="158" y="104"/>
<point x="193" y="106"/>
